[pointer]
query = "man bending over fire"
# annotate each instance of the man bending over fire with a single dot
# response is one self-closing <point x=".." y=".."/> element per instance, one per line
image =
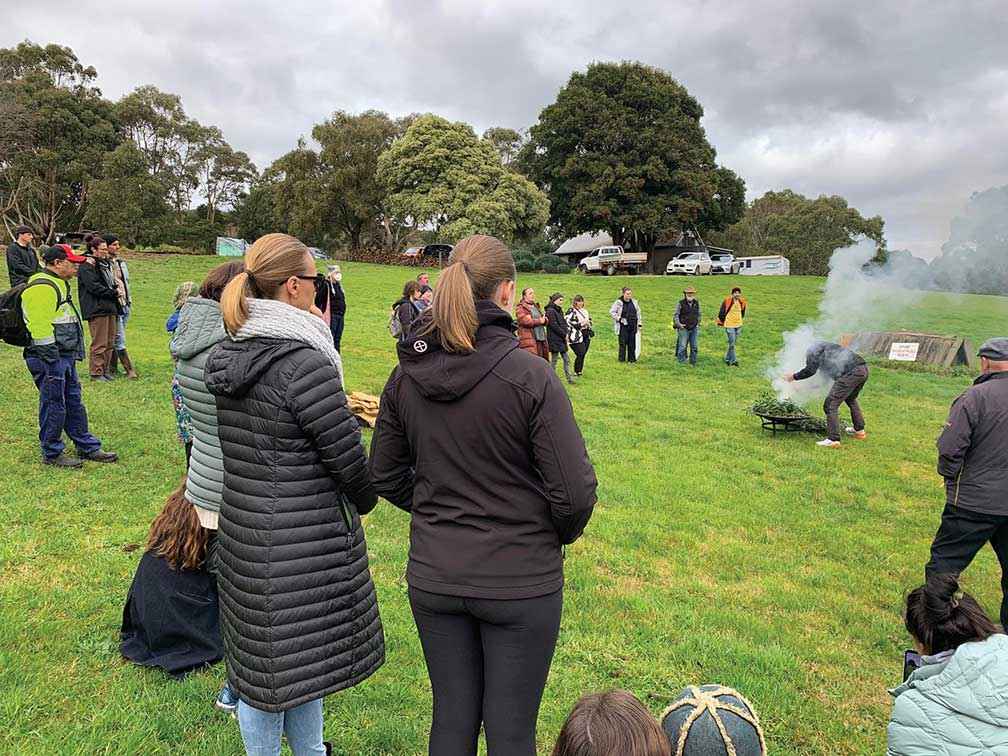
<point x="849" y="373"/>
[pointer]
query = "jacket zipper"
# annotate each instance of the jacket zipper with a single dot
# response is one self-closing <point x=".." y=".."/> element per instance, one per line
<point x="348" y="521"/>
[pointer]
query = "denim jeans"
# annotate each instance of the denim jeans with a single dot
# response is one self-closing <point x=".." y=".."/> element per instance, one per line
<point x="61" y="407"/>
<point x="733" y="334"/>
<point x="684" y="336"/>
<point x="120" y="339"/>
<point x="261" y="730"/>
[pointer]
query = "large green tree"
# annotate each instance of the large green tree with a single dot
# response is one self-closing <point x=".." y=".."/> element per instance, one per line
<point x="64" y="128"/>
<point x="622" y="149"/>
<point x="806" y="231"/>
<point x="223" y="171"/>
<point x="328" y="189"/>
<point x="126" y="197"/>
<point x="441" y="176"/>
<point x="507" y="142"/>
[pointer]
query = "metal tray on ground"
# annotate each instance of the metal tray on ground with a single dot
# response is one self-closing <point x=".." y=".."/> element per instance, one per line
<point x="784" y="423"/>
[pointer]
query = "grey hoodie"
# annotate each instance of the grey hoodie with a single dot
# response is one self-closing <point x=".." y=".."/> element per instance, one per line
<point x="200" y="328"/>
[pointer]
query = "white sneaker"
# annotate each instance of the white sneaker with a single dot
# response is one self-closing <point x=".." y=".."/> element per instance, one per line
<point x="828" y="443"/>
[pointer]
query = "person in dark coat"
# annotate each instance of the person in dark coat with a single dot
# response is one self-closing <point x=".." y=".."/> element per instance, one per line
<point x="686" y="322"/>
<point x="973" y="460"/>
<point x="556" y="334"/>
<point x="22" y="261"/>
<point x="170" y="620"/>
<point x="99" y="304"/>
<point x="849" y="373"/>
<point x="628" y="322"/>
<point x="476" y="439"/>
<point x="331" y="301"/>
<point x="299" y="610"/>
<point x="407" y="308"/>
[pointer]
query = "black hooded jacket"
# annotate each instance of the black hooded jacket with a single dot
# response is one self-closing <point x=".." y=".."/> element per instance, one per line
<point x="556" y="329"/>
<point x="832" y="359"/>
<point x="482" y="449"/>
<point x="299" y="613"/>
<point x="96" y="291"/>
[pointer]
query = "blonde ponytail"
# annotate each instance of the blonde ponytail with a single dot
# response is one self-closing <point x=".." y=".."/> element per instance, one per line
<point x="269" y="262"/>
<point x="478" y="265"/>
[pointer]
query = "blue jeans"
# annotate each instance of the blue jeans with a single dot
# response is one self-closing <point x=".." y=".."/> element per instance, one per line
<point x="733" y="334"/>
<point x="61" y="407"/>
<point x="261" y="730"/>
<point x="684" y="336"/>
<point x="120" y="339"/>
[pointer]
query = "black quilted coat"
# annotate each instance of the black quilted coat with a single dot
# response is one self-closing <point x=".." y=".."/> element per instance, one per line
<point x="298" y="609"/>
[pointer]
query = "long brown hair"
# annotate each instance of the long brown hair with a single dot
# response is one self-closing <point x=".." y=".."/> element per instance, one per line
<point x="269" y="262"/>
<point x="613" y="723"/>
<point x="176" y="533"/>
<point x="478" y="265"/>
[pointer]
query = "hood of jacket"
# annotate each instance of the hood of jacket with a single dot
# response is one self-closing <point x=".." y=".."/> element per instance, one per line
<point x="970" y="683"/>
<point x="200" y="326"/>
<point x="234" y="367"/>
<point x="447" y="376"/>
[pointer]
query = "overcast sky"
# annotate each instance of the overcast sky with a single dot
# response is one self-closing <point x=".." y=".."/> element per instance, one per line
<point x="902" y="107"/>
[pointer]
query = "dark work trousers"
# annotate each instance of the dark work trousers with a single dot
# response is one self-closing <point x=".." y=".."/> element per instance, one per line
<point x="628" y="343"/>
<point x="488" y="660"/>
<point x="580" y="350"/>
<point x="846" y="388"/>
<point x="61" y="407"/>
<point x="960" y="537"/>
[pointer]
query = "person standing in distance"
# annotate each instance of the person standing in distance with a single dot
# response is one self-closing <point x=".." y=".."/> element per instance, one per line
<point x="849" y="373"/>
<point x="973" y="460"/>
<point x="686" y="322"/>
<point x="476" y="439"/>
<point x="627" y="322"/>
<point x="579" y="323"/>
<point x="122" y="278"/>
<point x="423" y="279"/>
<point x="531" y="324"/>
<point x="99" y="302"/>
<point x="22" y="262"/>
<point x="57" y="345"/>
<point x="730" y="317"/>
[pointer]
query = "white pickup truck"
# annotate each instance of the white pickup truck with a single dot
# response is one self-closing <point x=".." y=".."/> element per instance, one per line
<point x="612" y="260"/>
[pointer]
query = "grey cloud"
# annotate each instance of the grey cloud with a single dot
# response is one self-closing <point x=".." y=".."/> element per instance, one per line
<point x="898" y="106"/>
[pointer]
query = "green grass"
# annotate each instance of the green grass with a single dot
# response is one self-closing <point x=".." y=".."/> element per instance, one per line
<point x="716" y="553"/>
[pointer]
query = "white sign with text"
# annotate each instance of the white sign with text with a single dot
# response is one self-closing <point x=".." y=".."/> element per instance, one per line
<point x="904" y="351"/>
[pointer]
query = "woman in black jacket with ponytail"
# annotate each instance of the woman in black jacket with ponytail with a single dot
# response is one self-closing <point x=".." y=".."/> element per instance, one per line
<point x="476" y="439"/>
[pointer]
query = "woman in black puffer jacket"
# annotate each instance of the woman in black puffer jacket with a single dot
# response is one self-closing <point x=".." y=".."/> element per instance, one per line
<point x="298" y="608"/>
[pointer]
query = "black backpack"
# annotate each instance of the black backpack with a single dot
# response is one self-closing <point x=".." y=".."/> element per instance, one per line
<point x="12" y="323"/>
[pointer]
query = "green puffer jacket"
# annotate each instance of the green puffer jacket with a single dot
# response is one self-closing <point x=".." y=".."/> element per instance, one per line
<point x="958" y="707"/>
<point x="200" y="328"/>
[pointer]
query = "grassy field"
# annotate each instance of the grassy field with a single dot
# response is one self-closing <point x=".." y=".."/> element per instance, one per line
<point x="716" y="553"/>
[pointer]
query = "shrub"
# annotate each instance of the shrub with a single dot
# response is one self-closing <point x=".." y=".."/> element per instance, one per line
<point x="525" y="265"/>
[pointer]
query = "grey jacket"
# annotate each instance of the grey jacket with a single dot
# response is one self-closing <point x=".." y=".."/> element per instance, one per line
<point x="973" y="448"/>
<point x="955" y="707"/>
<point x="200" y="328"/>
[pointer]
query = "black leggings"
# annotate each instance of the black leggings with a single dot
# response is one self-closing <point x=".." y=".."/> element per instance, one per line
<point x="488" y="660"/>
<point x="580" y="350"/>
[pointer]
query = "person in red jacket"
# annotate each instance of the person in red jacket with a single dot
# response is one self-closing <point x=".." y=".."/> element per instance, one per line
<point x="532" y="322"/>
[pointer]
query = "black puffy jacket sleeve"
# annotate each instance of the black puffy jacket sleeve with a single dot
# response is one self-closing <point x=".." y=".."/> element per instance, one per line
<point x="316" y="399"/>
<point x="559" y="453"/>
<point x="391" y="464"/>
<point x="92" y="280"/>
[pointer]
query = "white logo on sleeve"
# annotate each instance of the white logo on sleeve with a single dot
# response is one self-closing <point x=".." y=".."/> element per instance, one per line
<point x="419" y="347"/>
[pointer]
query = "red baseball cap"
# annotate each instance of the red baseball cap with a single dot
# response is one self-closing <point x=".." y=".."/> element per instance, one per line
<point x="62" y="252"/>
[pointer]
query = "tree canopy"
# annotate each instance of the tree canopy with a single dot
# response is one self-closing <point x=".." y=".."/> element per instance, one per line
<point x="440" y="175"/>
<point x="806" y="231"/>
<point x="622" y="149"/>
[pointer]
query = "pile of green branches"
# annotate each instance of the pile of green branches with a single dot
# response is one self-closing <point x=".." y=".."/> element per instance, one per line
<point x="769" y="404"/>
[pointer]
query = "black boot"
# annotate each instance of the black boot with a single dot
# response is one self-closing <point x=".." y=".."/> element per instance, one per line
<point x="113" y="366"/>
<point x="63" y="460"/>
<point x="101" y="456"/>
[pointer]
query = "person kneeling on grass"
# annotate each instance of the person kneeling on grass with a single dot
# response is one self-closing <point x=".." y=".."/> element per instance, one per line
<point x="956" y="700"/>
<point x="170" y="620"/>
<point x="57" y="345"/>
<point x="849" y="373"/>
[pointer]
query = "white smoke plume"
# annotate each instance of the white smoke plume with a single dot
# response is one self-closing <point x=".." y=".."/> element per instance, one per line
<point x="855" y="298"/>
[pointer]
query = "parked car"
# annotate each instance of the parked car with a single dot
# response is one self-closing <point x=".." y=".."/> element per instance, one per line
<point x="724" y="262"/>
<point x="612" y="260"/>
<point x="692" y="263"/>
<point x="439" y="252"/>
